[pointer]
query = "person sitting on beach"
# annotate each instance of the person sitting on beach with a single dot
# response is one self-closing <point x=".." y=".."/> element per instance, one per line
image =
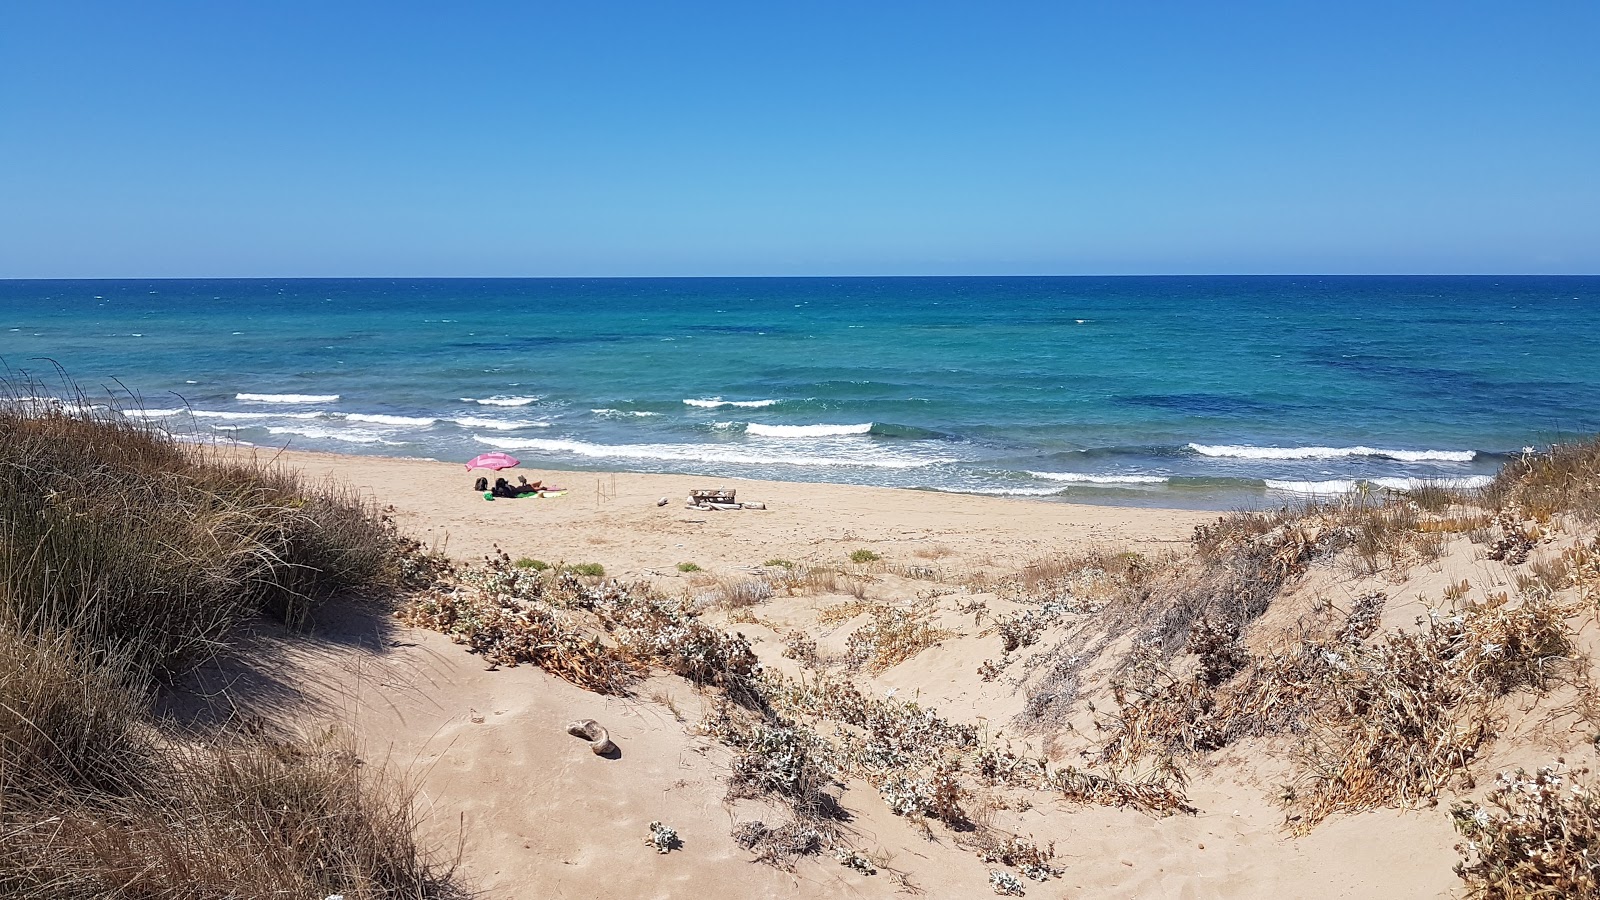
<point x="481" y="485"/>
<point x="503" y="488"/>
<point x="525" y="488"/>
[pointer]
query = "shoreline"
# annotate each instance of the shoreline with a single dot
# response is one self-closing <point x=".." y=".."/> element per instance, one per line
<point x="613" y="518"/>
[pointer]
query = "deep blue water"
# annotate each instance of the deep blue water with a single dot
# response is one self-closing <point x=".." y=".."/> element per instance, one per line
<point x="1172" y="390"/>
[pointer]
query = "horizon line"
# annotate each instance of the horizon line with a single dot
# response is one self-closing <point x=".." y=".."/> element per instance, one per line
<point x="819" y="277"/>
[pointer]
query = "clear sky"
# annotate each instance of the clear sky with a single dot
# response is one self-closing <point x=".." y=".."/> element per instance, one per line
<point x="750" y="138"/>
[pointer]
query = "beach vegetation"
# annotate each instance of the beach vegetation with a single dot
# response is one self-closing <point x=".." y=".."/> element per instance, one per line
<point x="126" y="558"/>
<point x="1564" y="479"/>
<point x="864" y="556"/>
<point x="588" y="570"/>
<point x="776" y="563"/>
<point x="688" y="567"/>
<point x="1534" y="836"/>
<point x="528" y="562"/>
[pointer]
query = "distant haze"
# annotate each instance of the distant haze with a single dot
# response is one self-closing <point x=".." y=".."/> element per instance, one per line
<point x="633" y="138"/>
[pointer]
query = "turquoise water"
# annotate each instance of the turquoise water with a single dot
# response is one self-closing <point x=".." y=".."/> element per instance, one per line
<point x="1199" y="391"/>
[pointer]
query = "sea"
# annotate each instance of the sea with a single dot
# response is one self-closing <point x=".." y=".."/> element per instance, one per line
<point x="1199" y="392"/>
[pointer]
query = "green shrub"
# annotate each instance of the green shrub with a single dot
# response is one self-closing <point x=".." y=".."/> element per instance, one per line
<point x="864" y="556"/>
<point x="779" y="563"/>
<point x="594" y="570"/>
<point x="538" y="565"/>
<point x="688" y="567"/>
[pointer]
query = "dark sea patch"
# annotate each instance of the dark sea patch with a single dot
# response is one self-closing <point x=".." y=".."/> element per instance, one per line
<point x="1207" y="404"/>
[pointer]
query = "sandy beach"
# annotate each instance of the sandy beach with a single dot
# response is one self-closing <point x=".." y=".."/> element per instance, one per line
<point x="534" y="812"/>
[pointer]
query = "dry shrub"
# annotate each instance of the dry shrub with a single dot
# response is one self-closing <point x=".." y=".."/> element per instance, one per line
<point x="893" y="636"/>
<point x="506" y="632"/>
<point x="1562" y="479"/>
<point x="1533" y="837"/>
<point x="804" y="581"/>
<point x="740" y="592"/>
<point x="1384" y="721"/>
<point x="1023" y="853"/>
<point x="1437" y="497"/>
<point x="781" y="846"/>
<point x="555" y="620"/>
<point x="1397" y="718"/>
<point x="1517" y="539"/>
<point x="843" y="612"/>
<point x="1583" y="571"/>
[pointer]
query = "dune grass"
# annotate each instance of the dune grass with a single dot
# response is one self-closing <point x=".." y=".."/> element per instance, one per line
<point x="125" y="558"/>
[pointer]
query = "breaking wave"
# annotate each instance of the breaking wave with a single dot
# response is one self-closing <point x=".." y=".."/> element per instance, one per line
<point x="718" y="403"/>
<point x="287" y="398"/>
<point x="739" y="455"/>
<point x="1229" y="451"/>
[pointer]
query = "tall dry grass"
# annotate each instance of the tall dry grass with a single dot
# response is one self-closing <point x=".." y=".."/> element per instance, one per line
<point x="126" y="556"/>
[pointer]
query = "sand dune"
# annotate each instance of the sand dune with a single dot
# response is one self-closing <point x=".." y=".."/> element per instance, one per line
<point x="535" y="813"/>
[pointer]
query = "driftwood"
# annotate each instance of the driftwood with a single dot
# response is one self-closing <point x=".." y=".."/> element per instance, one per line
<point x="719" y="500"/>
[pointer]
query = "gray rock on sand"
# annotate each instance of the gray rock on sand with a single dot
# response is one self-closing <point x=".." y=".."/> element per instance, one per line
<point x="663" y="501"/>
<point x="595" y="734"/>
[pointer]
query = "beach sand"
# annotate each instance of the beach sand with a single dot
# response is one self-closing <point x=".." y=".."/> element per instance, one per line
<point x="534" y="813"/>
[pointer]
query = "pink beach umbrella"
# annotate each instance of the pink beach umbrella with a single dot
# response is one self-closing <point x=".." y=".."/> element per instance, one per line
<point x="496" y="461"/>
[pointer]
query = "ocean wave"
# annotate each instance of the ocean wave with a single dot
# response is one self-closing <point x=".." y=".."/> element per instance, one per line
<point x="348" y="435"/>
<point x="707" y="453"/>
<point x="718" y="402"/>
<point x="379" y="419"/>
<point x="1352" y="485"/>
<point x="219" y="414"/>
<point x="1076" y="478"/>
<point x="495" y="424"/>
<point x="287" y="398"/>
<point x="500" y="400"/>
<point x="806" y="430"/>
<point x="1011" y="492"/>
<point x="620" y="413"/>
<point x="1228" y="451"/>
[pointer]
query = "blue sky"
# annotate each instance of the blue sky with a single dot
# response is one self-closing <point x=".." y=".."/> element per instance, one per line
<point x="617" y="138"/>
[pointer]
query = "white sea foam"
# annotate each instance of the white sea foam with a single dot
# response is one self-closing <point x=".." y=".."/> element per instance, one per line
<point x="1351" y="485"/>
<point x="788" y="431"/>
<point x="379" y="419"/>
<point x="1076" y="478"/>
<point x="348" y="435"/>
<point x="501" y="400"/>
<point x="495" y="424"/>
<point x="287" y="398"/>
<point x="708" y="453"/>
<point x="1236" y="452"/>
<point x="718" y="402"/>
<point x="621" y="413"/>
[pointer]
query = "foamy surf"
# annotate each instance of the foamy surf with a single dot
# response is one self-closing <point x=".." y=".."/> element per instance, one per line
<point x="380" y="419"/>
<point x="286" y="398"/>
<point x="500" y="400"/>
<point x="1229" y="451"/>
<point x="348" y="435"/>
<point x="495" y="424"/>
<point x="718" y="403"/>
<point x="1077" y="478"/>
<point x="702" y="453"/>
<point x="792" y="431"/>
